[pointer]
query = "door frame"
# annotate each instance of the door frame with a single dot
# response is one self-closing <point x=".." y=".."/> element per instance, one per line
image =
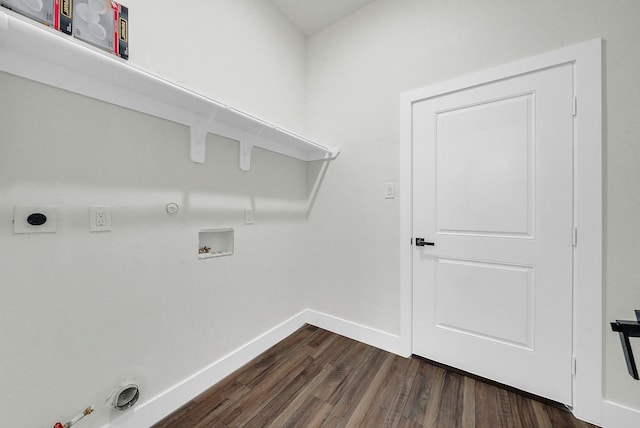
<point x="586" y="59"/>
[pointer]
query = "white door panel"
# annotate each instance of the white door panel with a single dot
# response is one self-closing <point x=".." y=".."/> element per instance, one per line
<point x="493" y="189"/>
<point x="483" y="175"/>
<point x="467" y="304"/>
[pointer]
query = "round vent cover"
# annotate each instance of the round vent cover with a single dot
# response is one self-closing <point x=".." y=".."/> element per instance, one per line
<point x="126" y="397"/>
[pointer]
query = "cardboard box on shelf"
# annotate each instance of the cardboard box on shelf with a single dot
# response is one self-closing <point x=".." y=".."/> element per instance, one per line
<point x="102" y="23"/>
<point x="54" y="13"/>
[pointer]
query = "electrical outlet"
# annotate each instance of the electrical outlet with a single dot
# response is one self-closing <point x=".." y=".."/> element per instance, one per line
<point x="99" y="218"/>
<point x="248" y="216"/>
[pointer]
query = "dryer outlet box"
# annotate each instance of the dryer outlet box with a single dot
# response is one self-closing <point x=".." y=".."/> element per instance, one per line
<point x="29" y="219"/>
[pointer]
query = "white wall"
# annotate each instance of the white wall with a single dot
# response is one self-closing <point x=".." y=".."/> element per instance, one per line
<point x="80" y="311"/>
<point x="241" y="53"/>
<point x="356" y="70"/>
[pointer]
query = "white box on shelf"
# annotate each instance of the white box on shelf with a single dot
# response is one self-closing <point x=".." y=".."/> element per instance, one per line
<point x="103" y="23"/>
<point x="53" y="13"/>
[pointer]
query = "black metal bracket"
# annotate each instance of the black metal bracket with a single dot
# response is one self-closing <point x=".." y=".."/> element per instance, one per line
<point x="627" y="329"/>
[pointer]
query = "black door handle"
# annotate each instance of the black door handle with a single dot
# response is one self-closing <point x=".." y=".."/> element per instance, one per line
<point x="420" y="242"/>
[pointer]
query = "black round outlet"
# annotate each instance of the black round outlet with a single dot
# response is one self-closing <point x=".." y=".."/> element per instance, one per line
<point x="37" y="219"/>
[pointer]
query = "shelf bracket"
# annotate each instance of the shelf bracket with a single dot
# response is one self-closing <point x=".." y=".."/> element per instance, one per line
<point x="198" y="135"/>
<point x="247" y="142"/>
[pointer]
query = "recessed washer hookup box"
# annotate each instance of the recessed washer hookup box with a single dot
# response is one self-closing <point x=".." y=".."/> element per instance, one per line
<point x="103" y="23"/>
<point x="54" y="13"/>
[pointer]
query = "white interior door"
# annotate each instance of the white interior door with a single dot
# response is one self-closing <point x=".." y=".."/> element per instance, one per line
<point x="493" y="191"/>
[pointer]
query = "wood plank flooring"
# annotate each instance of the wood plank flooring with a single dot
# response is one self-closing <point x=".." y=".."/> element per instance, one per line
<point x="315" y="378"/>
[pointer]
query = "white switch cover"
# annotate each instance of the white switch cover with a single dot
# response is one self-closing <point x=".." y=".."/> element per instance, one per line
<point x="100" y="218"/>
<point x="35" y="219"/>
<point x="389" y="190"/>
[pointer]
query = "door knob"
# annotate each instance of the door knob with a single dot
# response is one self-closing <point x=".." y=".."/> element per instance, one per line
<point x="420" y="242"/>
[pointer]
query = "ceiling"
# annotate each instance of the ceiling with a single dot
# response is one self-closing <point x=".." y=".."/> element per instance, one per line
<point x="310" y="16"/>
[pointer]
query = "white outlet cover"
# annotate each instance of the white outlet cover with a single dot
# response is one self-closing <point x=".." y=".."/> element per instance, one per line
<point x="248" y="216"/>
<point x="93" y="218"/>
<point x="22" y="213"/>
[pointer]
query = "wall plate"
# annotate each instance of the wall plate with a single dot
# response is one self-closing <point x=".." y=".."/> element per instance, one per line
<point x="389" y="190"/>
<point x="99" y="218"/>
<point x="35" y="219"/>
<point x="248" y="216"/>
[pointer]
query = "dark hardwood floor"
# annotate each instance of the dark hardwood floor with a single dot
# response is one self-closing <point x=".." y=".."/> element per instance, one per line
<point x="315" y="378"/>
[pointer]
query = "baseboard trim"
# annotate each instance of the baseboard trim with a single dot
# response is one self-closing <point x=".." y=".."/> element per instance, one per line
<point x="616" y="415"/>
<point x="165" y="403"/>
<point x="377" y="338"/>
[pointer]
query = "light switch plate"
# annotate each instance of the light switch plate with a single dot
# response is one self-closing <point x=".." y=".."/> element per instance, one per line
<point x="22" y="213"/>
<point x="389" y="190"/>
